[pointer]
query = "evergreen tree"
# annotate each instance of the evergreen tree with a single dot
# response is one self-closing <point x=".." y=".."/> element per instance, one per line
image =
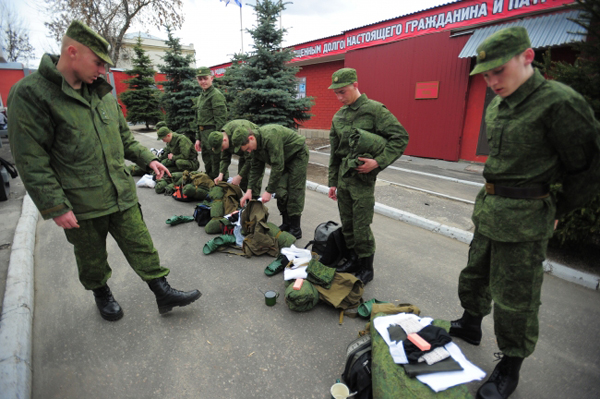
<point x="142" y="99"/>
<point x="581" y="226"/>
<point x="227" y="83"/>
<point x="264" y="86"/>
<point x="181" y="89"/>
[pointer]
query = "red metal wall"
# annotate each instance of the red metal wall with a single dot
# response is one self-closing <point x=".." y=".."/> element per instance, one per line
<point x="389" y="74"/>
<point x="8" y="78"/>
<point x="473" y="116"/>
<point x="318" y="79"/>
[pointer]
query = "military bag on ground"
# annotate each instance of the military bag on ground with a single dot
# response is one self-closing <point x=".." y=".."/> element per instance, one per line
<point x="357" y="372"/>
<point x="179" y="195"/>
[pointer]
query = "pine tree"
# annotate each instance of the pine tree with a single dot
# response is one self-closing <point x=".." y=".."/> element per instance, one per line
<point x="265" y="86"/>
<point x="143" y="98"/>
<point x="181" y="88"/>
<point x="581" y="226"/>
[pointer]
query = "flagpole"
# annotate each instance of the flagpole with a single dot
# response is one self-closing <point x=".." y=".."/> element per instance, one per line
<point x="241" y="30"/>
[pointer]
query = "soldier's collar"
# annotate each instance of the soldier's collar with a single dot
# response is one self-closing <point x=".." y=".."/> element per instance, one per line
<point x="525" y="89"/>
<point x="359" y="101"/>
<point x="209" y="89"/>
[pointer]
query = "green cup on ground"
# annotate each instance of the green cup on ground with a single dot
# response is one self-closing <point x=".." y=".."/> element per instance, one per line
<point x="271" y="297"/>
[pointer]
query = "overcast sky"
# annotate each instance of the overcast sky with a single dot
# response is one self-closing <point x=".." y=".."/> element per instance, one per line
<point x="214" y="29"/>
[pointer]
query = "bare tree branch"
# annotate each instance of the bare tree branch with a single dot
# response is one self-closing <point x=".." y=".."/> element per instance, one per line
<point x="112" y="18"/>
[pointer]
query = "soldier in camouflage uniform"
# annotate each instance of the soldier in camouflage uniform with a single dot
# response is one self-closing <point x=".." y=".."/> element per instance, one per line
<point x="287" y="153"/>
<point x="220" y="144"/>
<point x="179" y="154"/>
<point x="211" y="116"/>
<point x="354" y="193"/>
<point x="71" y="158"/>
<point x="540" y="133"/>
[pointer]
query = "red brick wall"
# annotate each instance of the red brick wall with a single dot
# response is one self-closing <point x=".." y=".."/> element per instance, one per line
<point x="318" y="79"/>
<point x="8" y="78"/>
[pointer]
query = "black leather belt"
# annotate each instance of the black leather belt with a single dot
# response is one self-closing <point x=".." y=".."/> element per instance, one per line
<point x="533" y="192"/>
<point x="207" y="127"/>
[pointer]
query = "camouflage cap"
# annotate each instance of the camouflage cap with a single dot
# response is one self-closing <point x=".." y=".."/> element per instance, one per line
<point x="215" y="141"/>
<point x="162" y="132"/>
<point x="239" y="137"/>
<point x="160" y="124"/>
<point x="85" y="35"/>
<point x="343" y="77"/>
<point x="203" y="71"/>
<point x="500" y="47"/>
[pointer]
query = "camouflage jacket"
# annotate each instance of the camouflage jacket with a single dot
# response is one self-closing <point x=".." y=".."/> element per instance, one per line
<point x="543" y="133"/>
<point x="71" y="149"/>
<point x="226" y="155"/>
<point x="211" y="110"/>
<point x="373" y="117"/>
<point x="276" y="144"/>
<point x="181" y="147"/>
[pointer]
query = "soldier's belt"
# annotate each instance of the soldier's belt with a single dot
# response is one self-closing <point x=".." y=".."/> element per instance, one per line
<point x="534" y="192"/>
<point x="206" y="127"/>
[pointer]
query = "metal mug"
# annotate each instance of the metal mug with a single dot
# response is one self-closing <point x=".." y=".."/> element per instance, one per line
<point x="271" y="297"/>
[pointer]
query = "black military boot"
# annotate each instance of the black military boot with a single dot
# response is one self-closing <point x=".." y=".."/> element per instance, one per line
<point x="167" y="298"/>
<point x="351" y="265"/>
<point x="504" y="379"/>
<point x="468" y="328"/>
<point x="108" y="307"/>
<point x="295" y="229"/>
<point x="285" y="222"/>
<point x="365" y="272"/>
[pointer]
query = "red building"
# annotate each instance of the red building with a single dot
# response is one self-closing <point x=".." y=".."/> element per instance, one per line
<point x="418" y="65"/>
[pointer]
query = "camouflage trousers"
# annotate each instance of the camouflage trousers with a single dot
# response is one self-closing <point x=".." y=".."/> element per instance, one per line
<point x="209" y="158"/>
<point x="510" y="274"/>
<point x="180" y="165"/>
<point x="356" y="203"/>
<point x="291" y="189"/>
<point x="131" y="234"/>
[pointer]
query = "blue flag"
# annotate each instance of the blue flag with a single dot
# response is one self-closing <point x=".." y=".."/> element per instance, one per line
<point x="238" y="2"/>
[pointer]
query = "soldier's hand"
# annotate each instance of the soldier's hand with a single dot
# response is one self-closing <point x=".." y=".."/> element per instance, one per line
<point x="368" y="165"/>
<point x="555" y="224"/>
<point x="246" y="197"/>
<point x="197" y="146"/>
<point x="266" y="197"/>
<point x="67" y="220"/>
<point x="332" y="193"/>
<point x="159" y="169"/>
<point x="219" y="178"/>
<point x="236" y="180"/>
<point x="170" y="156"/>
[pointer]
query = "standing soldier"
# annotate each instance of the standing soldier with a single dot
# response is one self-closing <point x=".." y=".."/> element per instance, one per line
<point x="351" y="179"/>
<point x="179" y="154"/>
<point x="287" y="153"/>
<point x="210" y="117"/>
<point x="220" y="144"/>
<point x="540" y="133"/>
<point x="71" y="157"/>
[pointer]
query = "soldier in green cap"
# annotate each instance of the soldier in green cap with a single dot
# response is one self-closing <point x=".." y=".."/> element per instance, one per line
<point x="179" y="154"/>
<point x="220" y="142"/>
<point x="211" y="116"/>
<point x="355" y="192"/>
<point x="71" y="158"/>
<point x="540" y="133"/>
<point x="287" y="153"/>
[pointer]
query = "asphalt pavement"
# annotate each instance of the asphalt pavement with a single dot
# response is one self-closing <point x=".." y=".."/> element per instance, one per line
<point x="229" y="344"/>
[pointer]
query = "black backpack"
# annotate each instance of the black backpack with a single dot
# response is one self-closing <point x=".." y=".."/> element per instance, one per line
<point x="202" y="214"/>
<point x="357" y="373"/>
<point x="322" y="233"/>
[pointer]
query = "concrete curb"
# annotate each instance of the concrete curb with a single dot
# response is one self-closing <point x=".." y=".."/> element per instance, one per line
<point x="17" y="314"/>
<point x="556" y="269"/>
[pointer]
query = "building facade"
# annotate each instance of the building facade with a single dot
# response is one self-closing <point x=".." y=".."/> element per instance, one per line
<point x="418" y="65"/>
